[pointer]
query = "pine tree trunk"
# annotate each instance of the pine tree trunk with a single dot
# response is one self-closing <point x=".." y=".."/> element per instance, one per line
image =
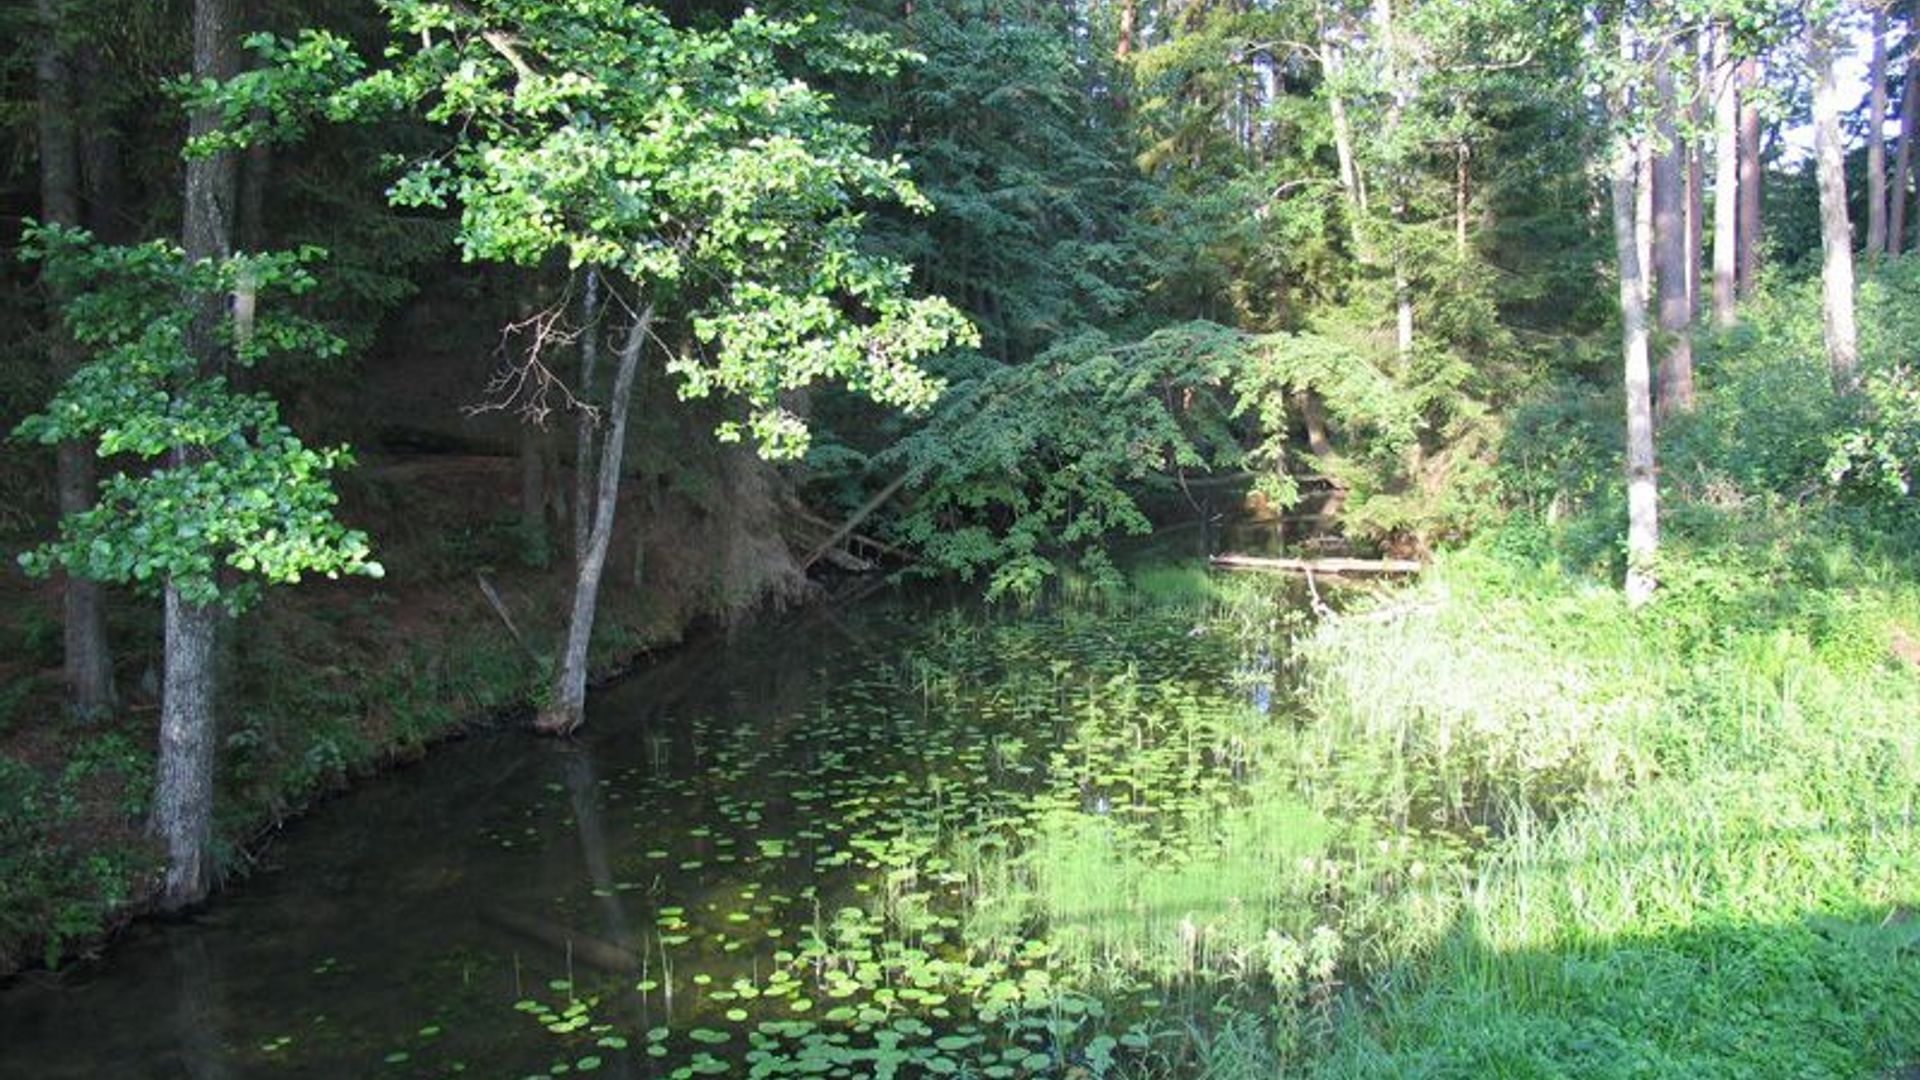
<point x="1836" y="232"/>
<point x="1752" y="171"/>
<point x="183" y="803"/>
<point x="1670" y="247"/>
<point x="87" y="661"/>
<point x="1643" y="515"/>
<point x="1726" y="181"/>
<point x="1877" y="138"/>
<point x="1903" y="152"/>
<point x="568" y="707"/>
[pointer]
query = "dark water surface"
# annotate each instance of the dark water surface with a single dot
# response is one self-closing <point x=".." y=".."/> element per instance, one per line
<point x="721" y="806"/>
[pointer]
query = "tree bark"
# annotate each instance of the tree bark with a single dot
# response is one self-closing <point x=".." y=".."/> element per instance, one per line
<point x="1670" y="246"/>
<point x="183" y="803"/>
<point x="567" y="710"/>
<point x="1903" y="151"/>
<point x="1836" y="232"/>
<point x="1726" y="180"/>
<point x="1747" y="262"/>
<point x="1877" y="138"/>
<point x="1697" y="177"/>
<point x="1643" y="518"/>
<point x="86" y="659"/>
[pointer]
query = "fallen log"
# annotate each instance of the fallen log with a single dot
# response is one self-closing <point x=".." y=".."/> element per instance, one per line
<point x="1332" y="567"/>
<point x="847" y="527"/>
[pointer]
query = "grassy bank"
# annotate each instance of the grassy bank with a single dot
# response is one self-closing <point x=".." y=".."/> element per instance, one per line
<point x="1705" y="858"/>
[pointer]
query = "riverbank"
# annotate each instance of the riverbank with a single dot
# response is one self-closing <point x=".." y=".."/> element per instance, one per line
<point x="332" y="682"/>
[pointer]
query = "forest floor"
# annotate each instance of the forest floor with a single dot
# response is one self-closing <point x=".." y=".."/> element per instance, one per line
<point x="325" y="681"/>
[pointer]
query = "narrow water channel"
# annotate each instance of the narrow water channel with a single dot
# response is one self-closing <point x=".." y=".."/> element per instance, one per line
<point x="756" y="859"/>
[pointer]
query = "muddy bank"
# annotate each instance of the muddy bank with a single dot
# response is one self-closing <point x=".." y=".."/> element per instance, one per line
<point x="332" y="681"/>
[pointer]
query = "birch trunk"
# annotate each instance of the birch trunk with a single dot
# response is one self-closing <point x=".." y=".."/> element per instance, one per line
<point x="1643" y="513"/>
<point x="567" y="710"/>
<point x="1836" y="232"/>
<point x="1877" y="138"/>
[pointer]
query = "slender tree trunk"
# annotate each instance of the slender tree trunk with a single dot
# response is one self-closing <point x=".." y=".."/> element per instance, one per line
<point x="1903" y="152"/>
<point x="1643" y="214"/>
<point x="1877" y="138"/>
<point x="1726" y="181"/>
<point x="1643" y="507"/>
<point x="1836" y="232"/>
<point x="87" y="661"/>
<point x="1670" y="247"/>
<point x="1129" y="17"/>
<point x="1333" y="70"/>
<point x="583" y="424"/>
<point x="183" y="802"/>
<point x="1697" y="176"/>
<point x="568" y="707"/>
<point x="1747" y="262"/>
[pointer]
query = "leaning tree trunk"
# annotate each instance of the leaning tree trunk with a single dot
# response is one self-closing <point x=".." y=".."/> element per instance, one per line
<point x="1747" y="260"/>
<point x="87" y="662"/>
<point x="1726" y="180"/>
<point x="1836" y="232"/>
<point x="1877" y="138"/>
<point x="1903" y="152"/>
<point x="1643" y="510"/>
<point x="567" y="708"/>
<point x="1670" y="246"/>
<point x="183" y="800"/>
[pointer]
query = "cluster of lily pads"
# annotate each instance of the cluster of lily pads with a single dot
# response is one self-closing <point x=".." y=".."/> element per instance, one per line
<point x="1008" y="844"/>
